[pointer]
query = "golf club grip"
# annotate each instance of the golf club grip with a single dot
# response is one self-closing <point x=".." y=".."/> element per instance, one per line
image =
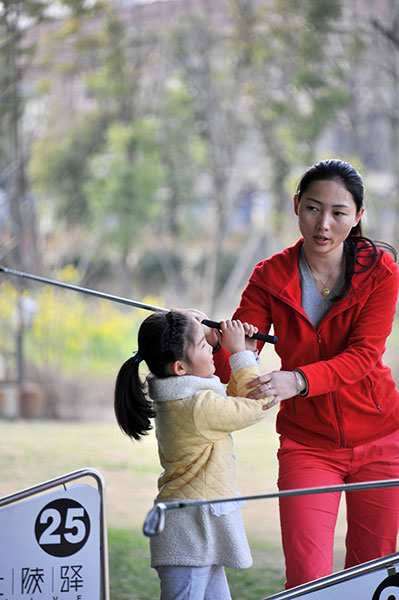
<point x="263" y="337"/>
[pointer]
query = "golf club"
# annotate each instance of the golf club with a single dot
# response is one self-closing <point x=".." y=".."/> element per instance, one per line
<point x="155" y="519"/>
<point x="271" y="339"/>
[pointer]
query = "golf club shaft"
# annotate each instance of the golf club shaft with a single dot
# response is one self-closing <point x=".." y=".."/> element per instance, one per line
<point x="155" y="519"/>
<point x="259" y="336"/>
<point x="83" y="290"/>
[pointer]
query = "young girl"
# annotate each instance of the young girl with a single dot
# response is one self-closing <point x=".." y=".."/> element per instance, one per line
<point x="194" y="418"/>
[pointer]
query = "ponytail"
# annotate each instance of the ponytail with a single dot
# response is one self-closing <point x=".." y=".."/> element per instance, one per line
<point x="361" y="253"/>
<point x="133" y="410"/>
<point x="163" y="338"/>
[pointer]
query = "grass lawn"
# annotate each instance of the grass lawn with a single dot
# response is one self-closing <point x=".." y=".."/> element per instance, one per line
<point x="32" y="452"/>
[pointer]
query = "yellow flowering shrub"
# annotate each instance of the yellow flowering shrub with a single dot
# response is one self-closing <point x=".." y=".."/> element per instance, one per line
<point x="70" y="331"/>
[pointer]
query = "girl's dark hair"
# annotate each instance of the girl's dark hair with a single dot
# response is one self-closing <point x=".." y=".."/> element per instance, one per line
<point x="360" y="252"/>
<point x="163" y="338"/>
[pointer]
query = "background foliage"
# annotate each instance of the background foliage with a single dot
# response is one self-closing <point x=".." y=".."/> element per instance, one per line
<point x="154" y="148"/>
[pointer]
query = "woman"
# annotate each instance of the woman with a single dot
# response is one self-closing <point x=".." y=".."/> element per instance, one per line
<point x="331" y="299"/>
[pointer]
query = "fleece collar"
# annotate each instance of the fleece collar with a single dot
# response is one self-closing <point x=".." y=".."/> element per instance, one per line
<point x="175" y="387"/>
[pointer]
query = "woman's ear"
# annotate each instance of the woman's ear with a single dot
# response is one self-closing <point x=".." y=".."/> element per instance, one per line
<point x="179" y="368"/>
<point x="296" y="203"/>
<point x="359" y="216"/>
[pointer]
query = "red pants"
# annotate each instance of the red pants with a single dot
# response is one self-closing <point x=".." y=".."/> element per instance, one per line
<point x="308" y="522"/>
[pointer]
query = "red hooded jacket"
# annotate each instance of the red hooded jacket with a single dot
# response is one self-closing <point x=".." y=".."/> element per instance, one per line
<point x="352" y="397"/>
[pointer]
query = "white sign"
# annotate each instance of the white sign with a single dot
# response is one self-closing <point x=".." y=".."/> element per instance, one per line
<point x="375" y="580"/>
<point x="50" y="546"/>
<point x="370" y="586"/>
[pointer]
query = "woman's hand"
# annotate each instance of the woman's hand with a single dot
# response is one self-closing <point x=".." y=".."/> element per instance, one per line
<point x="280" y="384"/>
<point x="209" y="332"/>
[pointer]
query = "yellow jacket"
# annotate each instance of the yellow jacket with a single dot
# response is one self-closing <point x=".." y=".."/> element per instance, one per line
<point x="194" y="418"/>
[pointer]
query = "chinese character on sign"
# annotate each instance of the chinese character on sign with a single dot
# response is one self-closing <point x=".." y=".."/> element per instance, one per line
<point x="71" y="578"/>
<point x="31" y="580"/>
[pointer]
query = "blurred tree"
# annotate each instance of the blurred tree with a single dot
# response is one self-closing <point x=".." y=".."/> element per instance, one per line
<point x="183" y="152"/>
<point x="389" y="31"/>
<point x="96" y="164"/>
<point x="18" y="19"/>
<point x="18" y="235"/>
<point x="201" y="63"/>
<point x="75" y="132"/>
<point x="287" y="68"/>
<point x="59" y="166"/>
<point x="372" y="128"/>
<point x="114" y="82"/>
<point x="122" y="189"/>
<point x="18" y="212"/>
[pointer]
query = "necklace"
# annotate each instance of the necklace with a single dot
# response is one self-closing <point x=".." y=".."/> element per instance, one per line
<point x="325" y="291"/>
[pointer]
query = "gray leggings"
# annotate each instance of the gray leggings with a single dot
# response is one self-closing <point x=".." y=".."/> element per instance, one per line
<point x="193" y="583"/>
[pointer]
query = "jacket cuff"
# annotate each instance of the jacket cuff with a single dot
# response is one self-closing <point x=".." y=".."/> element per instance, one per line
<point x="244" y="358"/>
<point x="304" y="392"/>
<point x="318" y="378"/>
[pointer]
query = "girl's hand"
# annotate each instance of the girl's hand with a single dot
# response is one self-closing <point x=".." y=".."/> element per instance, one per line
<point x="232" y="336"/>
<point x="250" y="344"/>
<point x="280" y="384"/>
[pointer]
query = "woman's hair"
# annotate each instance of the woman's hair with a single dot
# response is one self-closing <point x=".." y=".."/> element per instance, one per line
<point x="360" y="252"/>
<point x="163" y="338"/>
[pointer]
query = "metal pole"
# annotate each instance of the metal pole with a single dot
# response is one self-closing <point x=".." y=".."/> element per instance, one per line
<point x="154" y="521"/>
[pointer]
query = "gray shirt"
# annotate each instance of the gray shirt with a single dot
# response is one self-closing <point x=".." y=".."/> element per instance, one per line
<point x="314" y="304"/>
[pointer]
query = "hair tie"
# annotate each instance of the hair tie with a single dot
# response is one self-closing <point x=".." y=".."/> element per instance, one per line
<point x="137" y="358"/>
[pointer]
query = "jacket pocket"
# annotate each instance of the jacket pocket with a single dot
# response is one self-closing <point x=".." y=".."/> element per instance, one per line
<point x="372" y="394"/>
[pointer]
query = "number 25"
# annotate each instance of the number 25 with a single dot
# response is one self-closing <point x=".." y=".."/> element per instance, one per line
<point x="74" y="529"/>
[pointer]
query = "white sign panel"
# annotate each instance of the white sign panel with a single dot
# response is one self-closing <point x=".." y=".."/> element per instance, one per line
<point x="50" y="546"/>
<point x="370" y="581"/>
<point x="371" y="586"/>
